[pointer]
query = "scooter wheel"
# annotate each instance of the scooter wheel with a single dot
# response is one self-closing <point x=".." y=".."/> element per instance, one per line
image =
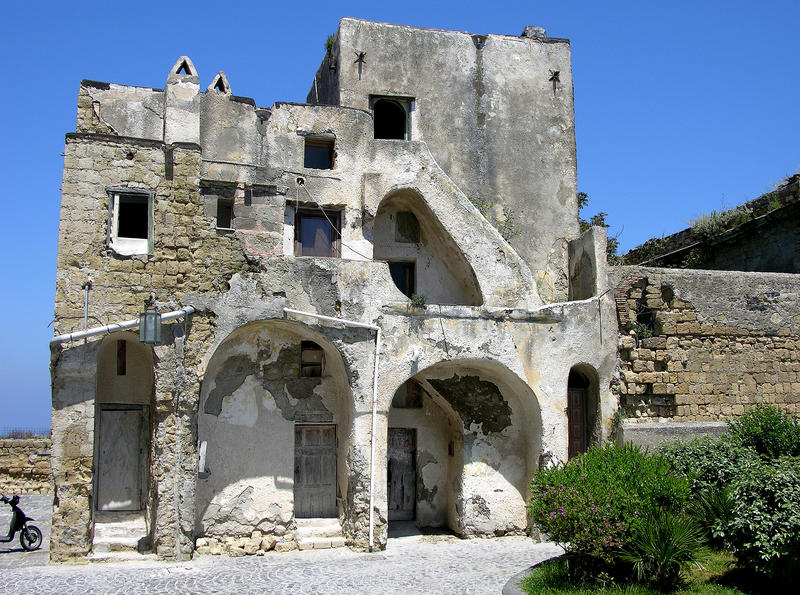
<point x="30" y="538"/>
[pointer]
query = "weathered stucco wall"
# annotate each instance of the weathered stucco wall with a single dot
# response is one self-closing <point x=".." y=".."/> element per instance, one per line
<point x="700" y="346"/>
<point x="226" y="380"/>
<point x="25" y="465"/>
<point x="470" y="94"/>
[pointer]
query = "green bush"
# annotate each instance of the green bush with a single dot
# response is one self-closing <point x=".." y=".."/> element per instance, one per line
<point x="709" y="464"/>
<point x="767" y="430"/>
<point x="662" y="547"/>
<point x="764" y="532"/>
<point x="593" y="504"/>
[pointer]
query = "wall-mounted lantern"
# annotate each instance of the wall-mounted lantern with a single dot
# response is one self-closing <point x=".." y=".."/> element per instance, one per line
<point x="150" y="325"/>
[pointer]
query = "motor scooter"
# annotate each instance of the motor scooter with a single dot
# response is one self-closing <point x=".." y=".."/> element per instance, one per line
<point x="30" y="537"/>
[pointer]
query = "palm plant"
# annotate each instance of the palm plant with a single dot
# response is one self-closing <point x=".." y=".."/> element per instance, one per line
<point x="663" y="546"/>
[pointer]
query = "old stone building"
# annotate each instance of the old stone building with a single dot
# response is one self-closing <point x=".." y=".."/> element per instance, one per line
<point x="376" y="305"/>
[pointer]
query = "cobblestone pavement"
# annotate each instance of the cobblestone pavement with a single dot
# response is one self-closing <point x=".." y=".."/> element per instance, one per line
<point x="416" y="564"/>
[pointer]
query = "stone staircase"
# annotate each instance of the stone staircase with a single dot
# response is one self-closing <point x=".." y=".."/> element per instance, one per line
<point x="120" y="536"/>
<point x="318" y="534"/>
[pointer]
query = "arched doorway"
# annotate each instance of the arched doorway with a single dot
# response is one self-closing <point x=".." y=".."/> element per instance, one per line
<point x="122" y="424"/>
<point x="274" y="429"/>
<point x="391" y="118"/>
<point x="472" y="430"/>
<point x="582" y="410"/>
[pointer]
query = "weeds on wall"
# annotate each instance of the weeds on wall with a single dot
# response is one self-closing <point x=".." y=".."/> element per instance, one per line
<point x="508" y="227"/>
<point x="599" y="220"/>
<point x="718" y="222"/>
<point x="419" y="300"/>
<point x="329" y="42"/>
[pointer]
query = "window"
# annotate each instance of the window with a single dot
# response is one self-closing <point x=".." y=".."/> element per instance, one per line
<point x="406" y="229"/>
<point x="403" y="275"/>
<point x="392" y="117"/>
<point x="130" y="226"/>
<point x="224" y="213"/>
<point x="312" y="359"/>
<point x="317" y="233"/>
<point x="122" y="358"/>
<point x="319" y="153"/>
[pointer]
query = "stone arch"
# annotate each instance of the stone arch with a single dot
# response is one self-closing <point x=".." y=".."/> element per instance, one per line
<point x="123" y="420"/>
<point x="256" y="395"/>
<point x="584" y="419"/>
<point x="409" y="236"/>
<point x="487" y="422"/>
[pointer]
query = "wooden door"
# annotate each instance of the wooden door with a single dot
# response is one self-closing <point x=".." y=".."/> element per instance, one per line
<point x="402" y="473"/>
<point x="122" y="458"/>
<point x="315" y="471"/>
<point x="576" y="419"/>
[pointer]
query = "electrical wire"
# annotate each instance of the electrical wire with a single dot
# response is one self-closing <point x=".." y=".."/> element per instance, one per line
<point x="333" y="227"/>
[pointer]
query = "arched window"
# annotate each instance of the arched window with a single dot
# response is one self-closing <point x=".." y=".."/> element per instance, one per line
<point x="391" y="118"/>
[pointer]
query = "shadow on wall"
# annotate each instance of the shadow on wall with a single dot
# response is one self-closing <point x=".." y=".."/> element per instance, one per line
<point x="423" y="258"/>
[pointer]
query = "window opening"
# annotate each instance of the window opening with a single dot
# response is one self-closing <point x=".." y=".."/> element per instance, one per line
<point x="130" y="222"/>
<point x="391" y="118"/>
<point x="317" y="233"/>
<point x="318" y="153"/>
<point x="132" y="216"/>
<point x="122" y="358"/>
<point x="312" y="359"/>
<point x="406" y="229"/>
<point x="408" y="396"/>
<point x="224" y="213"/>
<point x="404" y="276"/>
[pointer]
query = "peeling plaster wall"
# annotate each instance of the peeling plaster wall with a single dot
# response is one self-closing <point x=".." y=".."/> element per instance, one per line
<point x="251" y="398"/>
<point x="220" y="146"/>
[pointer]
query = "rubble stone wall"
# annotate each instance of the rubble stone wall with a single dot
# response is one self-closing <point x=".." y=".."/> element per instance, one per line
<point x="25" y="466"/>
<point x="700" y="346"/>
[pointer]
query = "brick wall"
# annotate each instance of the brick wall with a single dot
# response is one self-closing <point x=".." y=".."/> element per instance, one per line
<point x="25" y="465"/>
<point x="704" y="345"/>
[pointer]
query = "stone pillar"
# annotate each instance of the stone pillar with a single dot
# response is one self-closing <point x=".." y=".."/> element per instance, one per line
<point x="182" y="104"/>
<point x="73" y="370"/>
<point x="174" y="453"/>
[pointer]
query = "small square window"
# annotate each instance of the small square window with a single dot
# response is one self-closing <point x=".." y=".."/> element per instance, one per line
<point x="317" y="233"/>
<point x="224" y="213"/>
<point x="312" y="359"/>
<point x="403" y="275"/>
<point x="130" y="225"/>
<point x="318" y="153"/>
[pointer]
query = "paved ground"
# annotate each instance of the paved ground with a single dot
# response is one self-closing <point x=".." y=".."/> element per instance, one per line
<point x="411" y="564"/>
<point x="39" y="507"/>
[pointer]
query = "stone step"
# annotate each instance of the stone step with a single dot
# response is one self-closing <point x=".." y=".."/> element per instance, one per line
<point x="119" y="544"/>
<point x="308" y="528"/>
<point x="319" y="543"/>
<point x="127" y="556"/>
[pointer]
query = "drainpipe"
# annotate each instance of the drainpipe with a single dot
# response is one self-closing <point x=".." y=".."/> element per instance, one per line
<point x="118" y="326"/>
<point x="377" y="330"/>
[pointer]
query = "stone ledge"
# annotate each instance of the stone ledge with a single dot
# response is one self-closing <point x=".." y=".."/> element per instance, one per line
<point x="652" y="435"/>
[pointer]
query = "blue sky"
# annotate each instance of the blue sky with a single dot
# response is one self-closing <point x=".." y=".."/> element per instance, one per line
<point x="680" y="108"/>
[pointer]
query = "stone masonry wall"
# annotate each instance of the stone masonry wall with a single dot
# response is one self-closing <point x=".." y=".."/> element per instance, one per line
<point x="25" y="466"/>
<point x="704" y="345"/>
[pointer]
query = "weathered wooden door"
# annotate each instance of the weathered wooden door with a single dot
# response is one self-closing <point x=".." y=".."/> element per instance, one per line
<point x="576" y="419"/>
<point x="402" y="473"/>
<point x="122" y="457"/>
<point x="315" y="471"/>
